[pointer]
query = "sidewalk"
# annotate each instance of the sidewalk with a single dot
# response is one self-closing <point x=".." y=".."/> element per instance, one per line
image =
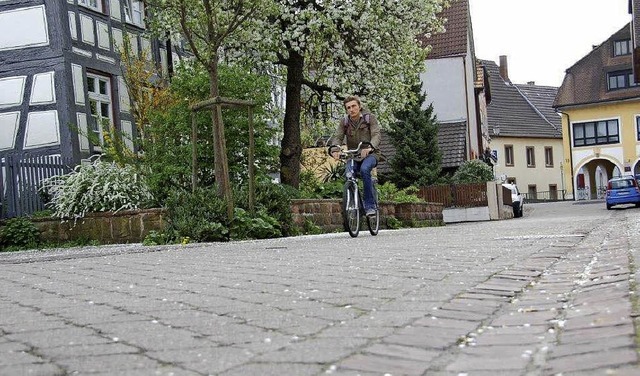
<point x="554" y="292"/>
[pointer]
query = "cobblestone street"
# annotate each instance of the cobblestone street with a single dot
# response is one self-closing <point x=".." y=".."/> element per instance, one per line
<point x="554" y="292"/>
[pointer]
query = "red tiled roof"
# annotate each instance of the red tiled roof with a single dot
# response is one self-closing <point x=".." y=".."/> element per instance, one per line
<point x="453" y="42"/>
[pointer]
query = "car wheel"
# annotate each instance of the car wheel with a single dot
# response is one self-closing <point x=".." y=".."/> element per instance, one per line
<point x="608" y="206"/>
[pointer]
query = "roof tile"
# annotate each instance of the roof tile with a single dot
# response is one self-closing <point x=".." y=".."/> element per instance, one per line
<point x="453" y="42"/>
<point x="520" y="110"/>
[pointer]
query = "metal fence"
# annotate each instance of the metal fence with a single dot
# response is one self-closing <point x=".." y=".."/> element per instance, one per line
<point x="21" y="177"/>
<point x="544" y="196"/>
<point x="458" y="195"/>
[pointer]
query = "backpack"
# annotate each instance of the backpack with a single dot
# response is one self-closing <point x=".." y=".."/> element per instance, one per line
<point x="345" y="122"/>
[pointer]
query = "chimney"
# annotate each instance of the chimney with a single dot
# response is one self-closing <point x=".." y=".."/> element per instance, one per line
<point x="504" y="70"/>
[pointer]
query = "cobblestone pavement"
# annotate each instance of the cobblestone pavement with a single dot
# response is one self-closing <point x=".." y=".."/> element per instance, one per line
<point x="554" y="292"/>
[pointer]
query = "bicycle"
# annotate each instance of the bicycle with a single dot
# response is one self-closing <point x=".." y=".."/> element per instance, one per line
<point x="352" y="202"/>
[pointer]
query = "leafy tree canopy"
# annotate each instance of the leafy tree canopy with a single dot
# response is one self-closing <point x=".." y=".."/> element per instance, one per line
<point x="169" y="159"/>
<point x="369" y="48"/>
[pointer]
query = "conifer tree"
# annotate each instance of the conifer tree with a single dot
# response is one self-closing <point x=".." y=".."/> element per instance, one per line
<point x="417" y="160"/>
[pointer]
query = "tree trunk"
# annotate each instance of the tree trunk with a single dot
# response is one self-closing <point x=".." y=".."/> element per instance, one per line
<point x="291" y="148"/>
<point x="221" y="164"/>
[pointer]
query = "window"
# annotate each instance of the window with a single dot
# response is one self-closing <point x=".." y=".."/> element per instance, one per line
<point x="548" y="156"/>
<point x="134" y="12"/>
<point x="531" y="157"/>
<point x="622" y="47"/>
<point x="638" y="128"/>
<point x="508" y="155"/>
<point x="596" y="133"/>
<point x="91" y="4"/>
<point x="99" y="89"/>
<point x="620" y="80"/>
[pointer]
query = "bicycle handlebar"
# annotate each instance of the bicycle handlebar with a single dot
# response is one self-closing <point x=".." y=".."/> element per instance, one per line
<point x="352" y="152"/>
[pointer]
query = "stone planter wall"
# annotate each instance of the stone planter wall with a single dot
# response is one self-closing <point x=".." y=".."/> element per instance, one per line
<point x="133" y="226"/>
<point x="327" y="214"/>
<point x="107" y="228"/>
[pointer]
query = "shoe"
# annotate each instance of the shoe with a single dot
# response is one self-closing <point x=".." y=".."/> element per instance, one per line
<point x="371" y="212"/>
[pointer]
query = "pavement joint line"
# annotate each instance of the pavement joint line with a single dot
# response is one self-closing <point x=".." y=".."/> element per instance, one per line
<point x="439" y="363"/>
<point x="599" y="254"/>
<point x="540" y="236"/>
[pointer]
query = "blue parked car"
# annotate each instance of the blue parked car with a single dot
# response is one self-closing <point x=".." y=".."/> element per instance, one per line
<point x="623" y="190"/>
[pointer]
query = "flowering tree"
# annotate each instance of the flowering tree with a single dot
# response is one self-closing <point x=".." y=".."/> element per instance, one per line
<point x="330" y="48"/>
<point x="336" y="48"/>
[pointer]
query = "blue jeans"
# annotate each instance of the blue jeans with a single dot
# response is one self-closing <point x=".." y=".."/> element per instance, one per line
<point x="364" y="168"/>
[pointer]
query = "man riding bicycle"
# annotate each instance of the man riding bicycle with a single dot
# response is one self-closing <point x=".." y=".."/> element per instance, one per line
<point x="357" y="127"/>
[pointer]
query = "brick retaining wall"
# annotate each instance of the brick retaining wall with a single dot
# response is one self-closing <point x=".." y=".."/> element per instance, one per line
<point x="130" y="226"/>
<point x="327" y="214"/>
<point x="134" y="225"/>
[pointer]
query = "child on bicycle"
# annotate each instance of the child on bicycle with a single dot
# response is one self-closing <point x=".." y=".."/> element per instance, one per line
<point x="359" y="126"/>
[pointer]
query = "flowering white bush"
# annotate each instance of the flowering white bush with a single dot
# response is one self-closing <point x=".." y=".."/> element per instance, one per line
<point x="96" y="187"/>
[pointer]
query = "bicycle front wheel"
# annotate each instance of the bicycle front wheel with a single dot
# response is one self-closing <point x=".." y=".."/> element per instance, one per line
<point x="351" y="209"/>
<point x="373" y="221"/>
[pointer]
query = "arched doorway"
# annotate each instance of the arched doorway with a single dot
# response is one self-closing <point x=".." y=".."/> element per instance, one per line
<point x="591" y="179"/>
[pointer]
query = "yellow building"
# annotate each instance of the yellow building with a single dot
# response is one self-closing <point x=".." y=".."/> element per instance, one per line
<point x="600" y="103"/>
<point x="526" y="139"/>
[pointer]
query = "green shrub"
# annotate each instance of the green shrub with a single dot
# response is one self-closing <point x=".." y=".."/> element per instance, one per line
<point x="160" y="237"/>
<point x="19" y="233"/>
<point x="272" y="199"/>
<point x="96" y="187"/>
<point x="393" y="223"/>
<point x="259" y="226"/>
<point x="201" y="215"/>
<point x="334" y="173"/>
<point x="311" y="187"/>
<point x="47" y="213"/>
<point x="310" y="228"/>
<point x="390" y="193"/>
<point x="473" y="171"/>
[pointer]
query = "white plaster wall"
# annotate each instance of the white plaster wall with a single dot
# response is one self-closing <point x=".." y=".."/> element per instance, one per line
<point x="443" y="81"/>
<point x="145" y="45"/>
<point x="117" y="39"/>
<point x="11" y="91"/>
<point x="104" y="41"/>
<point x="9" y="122"/>
<point x="78" y="83"/>
<point x="127" y="132"/>
<point x="81" y="118"/>
<point x="42" y="129"/>
<point x="42" y="90"/>
<point x="114" y="5"/>
<point x="23" y="28"/>
<point x="124" y="100"/>
<point x="73" y="27"/>
<point x="86" y="29"/>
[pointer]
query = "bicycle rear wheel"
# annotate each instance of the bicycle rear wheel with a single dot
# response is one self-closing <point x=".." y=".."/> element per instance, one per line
<point x="373" y="222"/>
<point x="351" y="209"/>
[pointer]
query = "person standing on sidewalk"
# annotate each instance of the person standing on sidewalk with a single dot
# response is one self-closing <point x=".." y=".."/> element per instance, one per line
<point x="359" y="126"/>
